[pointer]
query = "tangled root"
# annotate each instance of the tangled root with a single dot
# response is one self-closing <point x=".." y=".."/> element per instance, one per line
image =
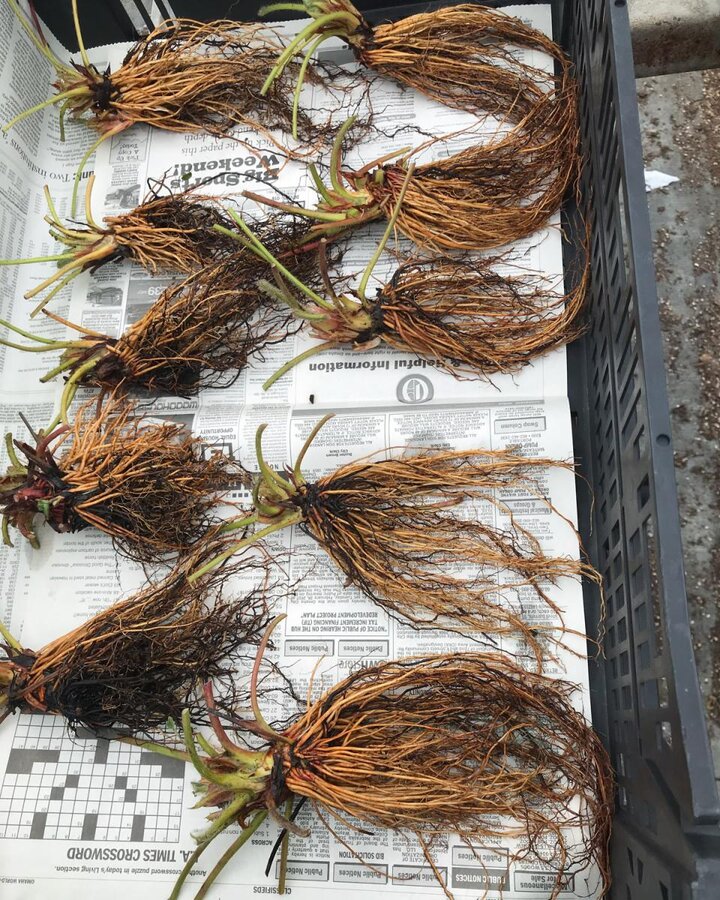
<point x="471" y="58"/>
<point x="193" y="76"/>
<point x="449" y="744"/>
<point x="138" y="663"/>
<point x="463" y="743"/>
<point x="466" y="57"/>
<point x="395" y="528"/>
<point x="483" y="197"/>
<point x="472" y="320"/>
<point x="401" y="532"/>
<point x="171" y="232"/>
<point x="461" y="313"/>
<point x="151" y="486"/>
<point x="184" y="76"/>
<point x="200" y="333"/>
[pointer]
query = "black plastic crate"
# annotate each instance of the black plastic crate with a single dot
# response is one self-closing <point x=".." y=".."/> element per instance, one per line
<point x="648" y="706"/>
<point x="646" y="698"/>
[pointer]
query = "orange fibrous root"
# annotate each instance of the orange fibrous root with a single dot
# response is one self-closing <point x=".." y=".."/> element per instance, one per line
<point x="485" y="196"/>
<point x="201" y="331"/>
<point x="469" y="57"/>
<point x="166" y="232"/>
<point x="464" y="743"/>
<point x="150" y="485"/>
<point x="468" y="315"/>
<point x="138" y="663"/>
<point x="431" y="537"/>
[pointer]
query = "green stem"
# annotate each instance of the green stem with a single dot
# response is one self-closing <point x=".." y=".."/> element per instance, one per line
<point x="376" y="163"/>
<point x="187" y="868"/>
<point x="270" y="732"/>
<point x="28" y="334"/>
<point x="386" y="236"/>
<point x="54" y="424"/>
<point x="189" y="739"/>
<point x="274" y="483"/>
<point x="242" y="838"/>
<point x="88" y="204"/>
<point x="25" y="348"/>
<point x="50" y="205"/>
<point x="206" y="746"/>
<point x="229" y="814"/>
<point x="320" y="214"/>
<point x="301" y="76"/>
<point x="283" y="286"/>
<point x="306" y="446"/>
<point x="35" y="259"/>
<point x="71" y="386"/>
<point x="286" y="522"/>
<point x="264" y="509"/>
<point x="61" y="272"/>
<point x="56" y="290"/>
<point x="54" y="232"/>
<point x="296" y="360"/>
<point x="329" y="229"/>
<point x="287" y="54"/>
<point x="70" y="236"/>
<point x="284" y="297"/>
<point x="86" y="156"/>
<point x="237" y="524"/>
<point x="14" y="461"/>
<point x="62" y="367"/>
<point x="9" y="639"/>
<point x="75" y="92"/>
<point x="78" y="34"/>
<point x="318" y="182"/>
<point x="42" y="47"/>
<point x="335" y="154"/>
<point x="61" y="118"/>
<point x="5" y="530"/>
<point x="281" y="7"/>
<point x="153" y="747"/>
<point x="300" y="40"/>
<point x="265" y="254"/>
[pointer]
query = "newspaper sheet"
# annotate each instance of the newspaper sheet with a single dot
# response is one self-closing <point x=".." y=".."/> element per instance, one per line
<point x="113" y="818"/>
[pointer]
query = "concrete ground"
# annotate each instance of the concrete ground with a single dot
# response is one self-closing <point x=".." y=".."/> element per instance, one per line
<point x="680" y="119"/>
<point x="673" y="37"/>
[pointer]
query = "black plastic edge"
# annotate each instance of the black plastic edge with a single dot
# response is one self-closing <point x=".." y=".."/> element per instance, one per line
<point x="691" y="710"/>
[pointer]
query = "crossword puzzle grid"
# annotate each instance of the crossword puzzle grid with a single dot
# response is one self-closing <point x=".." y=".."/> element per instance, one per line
<point x="64" y="788"/>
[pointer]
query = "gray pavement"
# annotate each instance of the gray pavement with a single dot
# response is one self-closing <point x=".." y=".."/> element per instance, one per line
<point x="680" y="119"/>
<point x="674" y="35"/>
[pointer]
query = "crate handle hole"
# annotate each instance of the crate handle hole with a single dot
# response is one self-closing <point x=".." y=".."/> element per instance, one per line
<point x="663" y="440"/>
